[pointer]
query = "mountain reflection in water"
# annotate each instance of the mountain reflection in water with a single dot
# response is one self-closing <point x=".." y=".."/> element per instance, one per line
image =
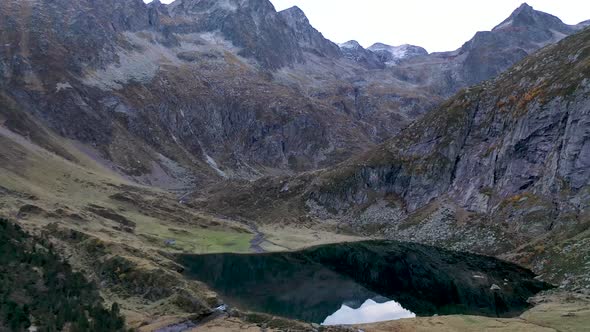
<point x="314" y="283"/>
<point x="368" y="312"/>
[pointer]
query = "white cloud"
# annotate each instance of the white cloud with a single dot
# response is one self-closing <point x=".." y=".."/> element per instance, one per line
<point x="369" y="312"/>
<point x="434" y="24"/>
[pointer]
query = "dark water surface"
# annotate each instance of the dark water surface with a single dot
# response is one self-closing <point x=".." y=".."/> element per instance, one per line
<point x="314" y="283"/>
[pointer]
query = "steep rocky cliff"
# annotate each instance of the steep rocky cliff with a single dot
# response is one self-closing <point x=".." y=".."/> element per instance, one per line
<point x="307" y="36"/>
<point x="525" y="131"/>
<point x="501" y="164"/>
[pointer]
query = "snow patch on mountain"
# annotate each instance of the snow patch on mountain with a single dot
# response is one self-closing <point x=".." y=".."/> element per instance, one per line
<point x="504" y="25"/>
<point x="228" y="5"/>
<point x="355" y="52"/>
<point x="351" y="44"/>
<point x="392" y="55"/>
<point x="213" y="164"/>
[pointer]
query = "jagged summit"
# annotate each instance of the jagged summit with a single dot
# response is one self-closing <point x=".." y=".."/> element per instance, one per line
<point x="252" y="25"/>
<point x="392" y="55"/>
<point x="523" y="14"/>
<point x="350" y="44"/>
<point x="489" y="53"/>
<point x="355" y="52"/>
<point x="296" y="13"/>
<point x="524" y="8"/>
<point x="307" y="36"/>
<point x="197" y="6"/>
<point x="527" y="16"/>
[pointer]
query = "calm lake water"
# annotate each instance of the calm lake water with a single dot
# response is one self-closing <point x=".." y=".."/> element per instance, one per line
<point x="366" y="281"/>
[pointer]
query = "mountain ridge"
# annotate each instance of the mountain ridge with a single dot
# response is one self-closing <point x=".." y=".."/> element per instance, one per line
<point x="95" y="75"/>
<point x="151" y="46"/>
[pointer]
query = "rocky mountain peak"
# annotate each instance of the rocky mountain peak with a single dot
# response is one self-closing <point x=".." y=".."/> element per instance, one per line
<point x="296" y="14"/>
<point x="197" y="7"/>
<point x="156" y="4"/>
<point x="392" y="55"/>
<point x="252" y="25"/>
<point x="354" y="51"/>
<point x="526" y="16"/>
<point x="523" y="14"/>
<point x="307" y="36"/>
<point x="351" y="44"/>
<point x="522" y="33"/>
<point x="524" y="8"/>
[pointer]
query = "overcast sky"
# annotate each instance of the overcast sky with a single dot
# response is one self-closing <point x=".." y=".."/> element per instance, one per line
<point x="437" y="25"/>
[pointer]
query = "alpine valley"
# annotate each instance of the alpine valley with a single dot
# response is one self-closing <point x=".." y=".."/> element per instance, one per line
<point x="216" y="165"/>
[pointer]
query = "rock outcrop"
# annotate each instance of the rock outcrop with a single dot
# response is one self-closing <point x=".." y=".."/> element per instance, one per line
<point x="308" y="37"/>
<point x="252" y="25"/>
<point x="354" y="51"/>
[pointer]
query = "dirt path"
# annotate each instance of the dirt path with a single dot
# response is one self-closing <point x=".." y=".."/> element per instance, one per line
<point x="256" y="242"/>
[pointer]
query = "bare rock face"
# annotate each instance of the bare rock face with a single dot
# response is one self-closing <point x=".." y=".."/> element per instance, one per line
<point x="355" y="52"/>
<point x="309" y="38"/>
<point x="252" y="25"/>
<point x="527" y="18"/>
<point x="201" y="90"/>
